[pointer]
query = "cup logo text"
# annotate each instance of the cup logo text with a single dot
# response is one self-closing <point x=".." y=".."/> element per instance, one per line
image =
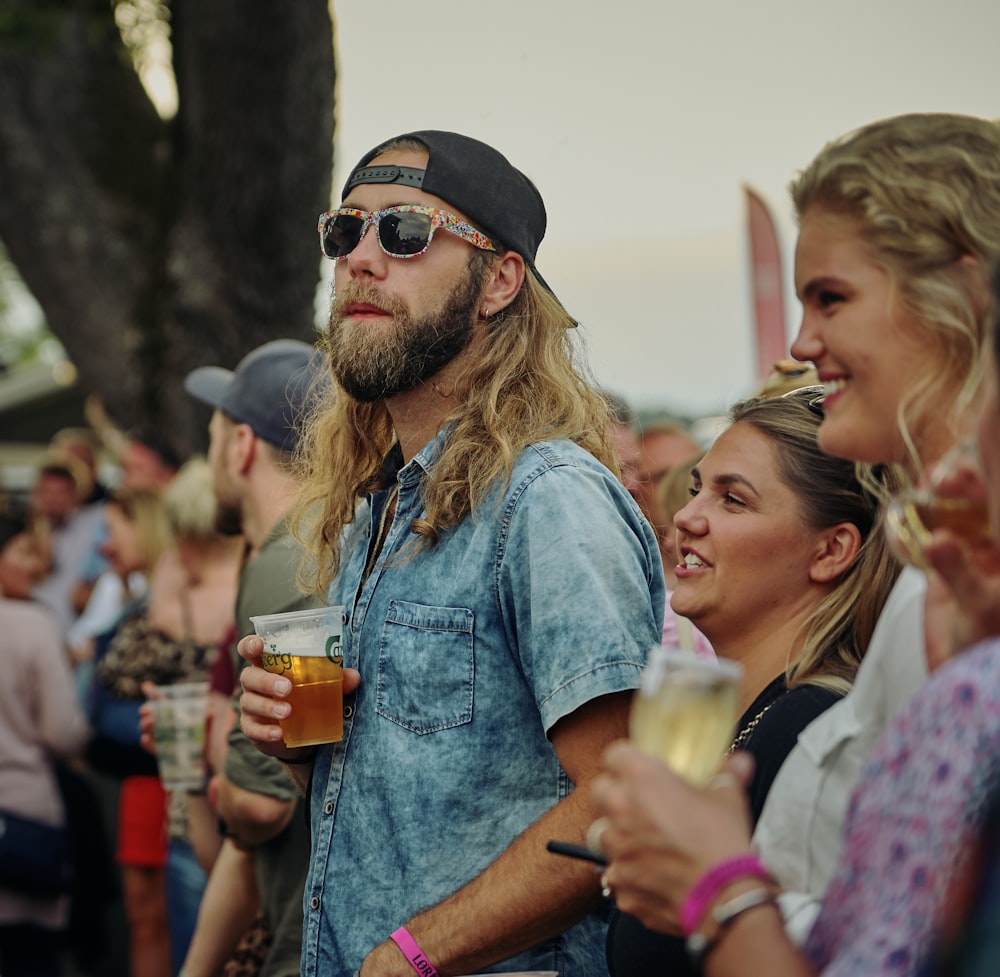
<point x="275" y="662"/>
<point x="333" y="649"/>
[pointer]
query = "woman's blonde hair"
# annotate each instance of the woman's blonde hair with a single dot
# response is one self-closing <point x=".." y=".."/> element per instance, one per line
<point x="830" y="491"/>
<point x="144" y="508"/>
<point x="190" y="503"/>
<point x="925" y="192"/>
<point x="528" y="382"/>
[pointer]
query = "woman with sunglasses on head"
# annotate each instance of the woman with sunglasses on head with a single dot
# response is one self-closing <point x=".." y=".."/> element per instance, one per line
<point x="898" y="223"/>
<point x="782" y="565"/>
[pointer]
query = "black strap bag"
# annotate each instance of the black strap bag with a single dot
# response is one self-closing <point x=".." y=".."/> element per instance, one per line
<point x="34" y="856"/>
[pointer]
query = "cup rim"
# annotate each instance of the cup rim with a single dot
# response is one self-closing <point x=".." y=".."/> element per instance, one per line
<point x="727" y="667"/>
<point x="319" y="613"/>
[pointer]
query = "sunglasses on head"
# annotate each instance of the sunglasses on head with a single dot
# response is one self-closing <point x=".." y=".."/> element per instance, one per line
<point x="812" y="395"/>
<point x="403" y="231"/>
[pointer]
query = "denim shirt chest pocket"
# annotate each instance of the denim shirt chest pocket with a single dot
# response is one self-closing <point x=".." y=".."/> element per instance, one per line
<point x="426" y="667"/>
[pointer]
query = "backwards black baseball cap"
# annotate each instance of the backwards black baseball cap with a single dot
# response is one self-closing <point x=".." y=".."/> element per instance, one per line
<point x="270" y="389"/>
<point x="475" y="179"/>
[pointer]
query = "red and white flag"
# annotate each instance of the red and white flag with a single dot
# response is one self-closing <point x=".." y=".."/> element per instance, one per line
<point x="768" y="285"/>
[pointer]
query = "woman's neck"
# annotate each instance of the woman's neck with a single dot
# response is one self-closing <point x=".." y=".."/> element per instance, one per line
<point x="766" y="650"/>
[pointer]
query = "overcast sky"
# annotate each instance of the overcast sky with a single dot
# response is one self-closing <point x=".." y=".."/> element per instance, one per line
<point x="640" y="121"/>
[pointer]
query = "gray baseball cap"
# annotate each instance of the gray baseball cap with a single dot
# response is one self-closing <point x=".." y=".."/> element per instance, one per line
<point x="270" y="389"/>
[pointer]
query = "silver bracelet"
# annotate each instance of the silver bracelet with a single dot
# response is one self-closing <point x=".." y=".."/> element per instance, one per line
<point x="698" y="945"/>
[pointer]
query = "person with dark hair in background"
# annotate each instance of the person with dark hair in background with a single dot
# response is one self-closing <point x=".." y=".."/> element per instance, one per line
<point x="625" y="441"/>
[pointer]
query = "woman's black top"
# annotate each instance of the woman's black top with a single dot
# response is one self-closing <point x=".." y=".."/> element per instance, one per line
<point x="778" y="716"/>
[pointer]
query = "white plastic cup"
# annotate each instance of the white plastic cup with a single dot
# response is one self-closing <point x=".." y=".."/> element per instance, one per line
<point x="179" y="734"/>
<point x="307" y="648"/>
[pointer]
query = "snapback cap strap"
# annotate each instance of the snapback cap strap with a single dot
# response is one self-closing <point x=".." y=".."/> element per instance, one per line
<point x="406" y="175"/>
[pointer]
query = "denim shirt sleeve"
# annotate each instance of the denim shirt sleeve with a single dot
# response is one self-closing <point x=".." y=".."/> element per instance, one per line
<point x="579" y="583"/>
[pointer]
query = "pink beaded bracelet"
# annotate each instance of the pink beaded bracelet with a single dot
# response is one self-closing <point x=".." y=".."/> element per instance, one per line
<point x="706" y="890"/>
<point x="414" y="955"/>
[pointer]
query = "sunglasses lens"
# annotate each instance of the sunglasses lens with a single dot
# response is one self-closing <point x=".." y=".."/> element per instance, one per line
<point x="341" y="235"/>
<point x="405" y="233"/>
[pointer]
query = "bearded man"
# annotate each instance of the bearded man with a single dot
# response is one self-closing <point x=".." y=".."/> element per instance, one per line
<point x="501" y="588"/>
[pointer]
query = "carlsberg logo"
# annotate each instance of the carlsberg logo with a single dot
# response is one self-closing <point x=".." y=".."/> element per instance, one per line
<point x="333" y="649"/>
<point x="275" y="662"/>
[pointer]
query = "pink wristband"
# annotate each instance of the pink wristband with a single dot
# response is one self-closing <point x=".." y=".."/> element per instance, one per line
<point x="706" y="890"/>
<point x="414" y="955"/>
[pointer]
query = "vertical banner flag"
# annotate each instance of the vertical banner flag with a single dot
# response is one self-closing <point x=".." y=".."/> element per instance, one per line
<point x="767" y="284"/>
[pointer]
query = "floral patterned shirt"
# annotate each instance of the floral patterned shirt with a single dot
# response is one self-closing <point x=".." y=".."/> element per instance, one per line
<point x="913" y="822"/>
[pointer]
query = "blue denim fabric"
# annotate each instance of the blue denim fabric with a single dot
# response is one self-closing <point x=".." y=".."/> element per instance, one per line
<point x="470" y="651"/>
<point x="186" y="881"/>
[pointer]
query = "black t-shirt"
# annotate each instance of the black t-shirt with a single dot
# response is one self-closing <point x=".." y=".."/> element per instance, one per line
<point x="780" y="715"/>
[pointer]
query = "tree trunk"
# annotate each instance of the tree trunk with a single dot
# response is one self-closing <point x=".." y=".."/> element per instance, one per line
<point x="154" y="246"/>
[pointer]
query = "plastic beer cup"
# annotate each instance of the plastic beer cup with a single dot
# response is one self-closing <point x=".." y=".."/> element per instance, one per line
<point x="306" y="647"/>
<point x="179" y="734"/>
<point x="684" y="711"/>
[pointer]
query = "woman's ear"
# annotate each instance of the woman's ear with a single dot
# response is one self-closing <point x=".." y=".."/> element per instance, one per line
<point x="838" y="549"/>
<point x="505" y="282"/>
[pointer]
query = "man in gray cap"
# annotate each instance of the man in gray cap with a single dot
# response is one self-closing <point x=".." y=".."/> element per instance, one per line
<point x="253" y="435"/>
<point x="501" y="587"/>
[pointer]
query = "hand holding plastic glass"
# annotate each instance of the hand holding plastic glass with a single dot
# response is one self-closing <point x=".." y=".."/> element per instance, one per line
<point x="307" y="648"/>
<point x="684" y="711"/>
<point x="912" y="516"/>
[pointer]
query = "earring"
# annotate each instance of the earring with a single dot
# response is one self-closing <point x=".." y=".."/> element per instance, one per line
<point x="486" y="312"/>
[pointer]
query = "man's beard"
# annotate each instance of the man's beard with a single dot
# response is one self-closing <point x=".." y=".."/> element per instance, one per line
<point x="371" y="366"/>
<point x="228" y="518"/>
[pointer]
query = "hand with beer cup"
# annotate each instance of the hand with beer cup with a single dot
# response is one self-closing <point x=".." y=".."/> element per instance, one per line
<point x="685" y="710"/>
<point x="275" y="681"/>
<point x="953" y="499"/>
<point x="962" y="606"/>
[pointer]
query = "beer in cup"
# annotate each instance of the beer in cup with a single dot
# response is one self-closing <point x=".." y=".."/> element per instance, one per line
<point x="306" y="647"/>
<point x="179" y="734"/>
<point x="684" y="711"/>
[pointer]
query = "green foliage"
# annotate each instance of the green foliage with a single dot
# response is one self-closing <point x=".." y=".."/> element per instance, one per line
<point x="36" y="23"/>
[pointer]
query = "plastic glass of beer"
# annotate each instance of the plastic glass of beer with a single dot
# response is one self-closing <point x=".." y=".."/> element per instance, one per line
<point x="307" y="648"/>
<point x="685" y="710"/>
<point x="955" y="499"/>
<point x="179" y="734"/>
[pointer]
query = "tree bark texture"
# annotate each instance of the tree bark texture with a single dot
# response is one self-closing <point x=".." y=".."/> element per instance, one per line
<point x="155" y="246"/>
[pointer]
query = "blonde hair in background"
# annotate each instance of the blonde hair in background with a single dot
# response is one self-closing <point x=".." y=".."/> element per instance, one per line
<point x="830" y="491"/>
<point x="924" y="190"/>
<point x="529" y="382"/>
<point x="189" y="501"/>
<point x="146" y="510"/>
<point x="785" y="376"/>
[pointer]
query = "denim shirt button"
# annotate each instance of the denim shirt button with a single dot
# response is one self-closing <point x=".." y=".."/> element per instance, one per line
<point x="314" y="902"/>
<point x="328" y="807"/>
<point x="348" y="712"/>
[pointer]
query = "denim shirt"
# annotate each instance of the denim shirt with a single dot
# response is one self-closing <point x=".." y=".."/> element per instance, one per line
<point x="470" y="651"/>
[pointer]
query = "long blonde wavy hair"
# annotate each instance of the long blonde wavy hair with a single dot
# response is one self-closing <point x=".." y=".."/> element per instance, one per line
<point x="528" y="382"/>
<point x="925" y="192"/>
